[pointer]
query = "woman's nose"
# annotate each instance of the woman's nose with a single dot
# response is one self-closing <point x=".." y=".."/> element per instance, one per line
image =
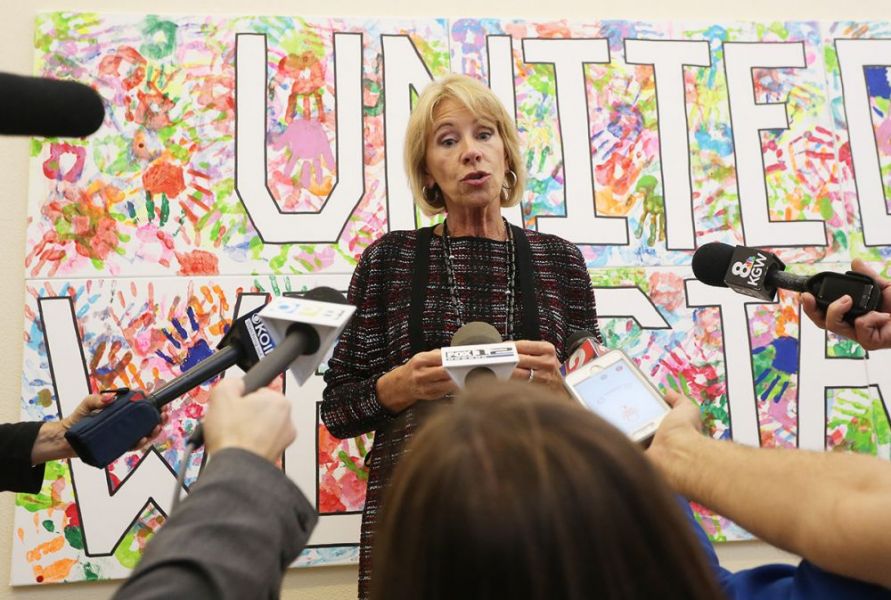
<point x="471" y="152"/>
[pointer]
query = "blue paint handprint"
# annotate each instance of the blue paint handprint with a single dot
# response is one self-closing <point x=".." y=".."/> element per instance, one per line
<point x="775" y="365"/>
<point x="181" y="351"/>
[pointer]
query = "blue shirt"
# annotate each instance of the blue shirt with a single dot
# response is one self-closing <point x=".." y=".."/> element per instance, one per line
<point x="780" y="581"/>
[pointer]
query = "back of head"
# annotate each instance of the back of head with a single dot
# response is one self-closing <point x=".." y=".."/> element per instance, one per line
<point x="513" y="493"/>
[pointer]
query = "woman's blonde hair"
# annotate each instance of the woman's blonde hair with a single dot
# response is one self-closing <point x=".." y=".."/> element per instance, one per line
<point x="480" y="101"/>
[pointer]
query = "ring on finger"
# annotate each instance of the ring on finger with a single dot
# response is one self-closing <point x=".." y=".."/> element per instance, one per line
<point x="531" y="375"/>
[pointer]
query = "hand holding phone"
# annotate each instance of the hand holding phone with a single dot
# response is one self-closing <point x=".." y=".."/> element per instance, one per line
<point x="615" y="388"/>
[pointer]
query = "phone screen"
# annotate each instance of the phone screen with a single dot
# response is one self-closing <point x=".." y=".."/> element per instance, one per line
<point x="620" y="397"/>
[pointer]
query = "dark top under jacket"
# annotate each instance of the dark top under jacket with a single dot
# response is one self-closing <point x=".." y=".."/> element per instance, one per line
<point x="16" y="472"/>
<point x="243" y="523"/>
<point x="380" y="336"/>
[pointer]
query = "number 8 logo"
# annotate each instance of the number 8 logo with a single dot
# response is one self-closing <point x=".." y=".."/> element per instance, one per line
<point x="740" y="269"/>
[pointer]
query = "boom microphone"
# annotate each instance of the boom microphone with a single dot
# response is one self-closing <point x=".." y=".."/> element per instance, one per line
<point x="100" y="438"/>
<point x="36" y="106"/>
<point x="758" y="273"/>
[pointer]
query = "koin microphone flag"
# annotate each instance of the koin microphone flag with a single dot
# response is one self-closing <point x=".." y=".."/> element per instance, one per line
<point x="477" y="350"/>
<point x="304" y="329"/>
<point x="759" y="274"/>
<point x="37" y="106"/>
<point x="317" y="319"/>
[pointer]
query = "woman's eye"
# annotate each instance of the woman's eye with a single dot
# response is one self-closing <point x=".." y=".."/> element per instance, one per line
<point x="485" y="135"/>
<point x="447" y="142"/>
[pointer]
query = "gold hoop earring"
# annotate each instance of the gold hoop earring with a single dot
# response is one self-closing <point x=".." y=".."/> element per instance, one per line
<point x="512" y="174"/>
<point x="431" y="195"/>
<point x="505" y="188"/>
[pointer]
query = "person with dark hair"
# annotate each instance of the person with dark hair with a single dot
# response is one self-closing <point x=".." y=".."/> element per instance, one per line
<point x="26" y="447"/>
<point x="414" y="289"/>
<point x="514" y="493"/>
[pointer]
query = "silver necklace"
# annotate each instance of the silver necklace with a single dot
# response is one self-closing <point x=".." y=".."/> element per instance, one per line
<point x="511" y="275"/>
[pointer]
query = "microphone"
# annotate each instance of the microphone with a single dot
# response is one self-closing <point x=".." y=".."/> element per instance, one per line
<point x="758" y="273"/>
<point x="100" y="438"/>
<point x="36" y="106"/>
<point x="581" y="347"/>
<point x="314" y="321"/>
<point x="477" y="350"/>
<point x="303" y="329"/>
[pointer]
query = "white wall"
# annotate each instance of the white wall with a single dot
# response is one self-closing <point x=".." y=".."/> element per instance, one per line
<point x="16" y="55"/>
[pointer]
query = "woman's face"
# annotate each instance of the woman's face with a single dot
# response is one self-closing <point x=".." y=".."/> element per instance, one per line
<point x="465" y="157"/>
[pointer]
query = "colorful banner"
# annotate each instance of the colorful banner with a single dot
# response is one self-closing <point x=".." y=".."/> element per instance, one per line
<point x="247" y="156"/>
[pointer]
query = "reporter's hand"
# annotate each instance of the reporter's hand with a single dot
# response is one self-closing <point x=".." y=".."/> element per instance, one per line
<point x="96" y="403"/>
<point x="421" y="378"/>
<point x="51" y="443"/>
<point x="872" y="330"/>
<point x="259" y="422"/>
<point x="680" y="426"/>
<point x="538" y="364"/>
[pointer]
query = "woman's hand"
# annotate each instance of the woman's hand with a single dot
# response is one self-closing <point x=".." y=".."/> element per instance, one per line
<point x="421" y="378"/>
<point x="538" y="364"/>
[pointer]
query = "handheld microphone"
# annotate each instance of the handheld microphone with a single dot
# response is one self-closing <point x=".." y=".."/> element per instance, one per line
<point x="36" y="106"/>
<point x="303" y="330"/>
<point x="758" y="273"/>
<point x="317" y="318"/>
<point x="100" y="438"/>
<point x="477" y="350"/>
<point x="581" y="347"/>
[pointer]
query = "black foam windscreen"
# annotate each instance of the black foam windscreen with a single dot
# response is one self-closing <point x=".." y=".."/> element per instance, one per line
<point x="710" y="263"/>
<point x="577" y="338"/>
<point x="37" y="106"/>
<point x="325" y="294"/>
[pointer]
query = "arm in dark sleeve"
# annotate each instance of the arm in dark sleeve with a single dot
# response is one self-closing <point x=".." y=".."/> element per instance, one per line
<point x="16" y="472"/>
<point x="350" y="406"/>
<point x="241" y="526"/>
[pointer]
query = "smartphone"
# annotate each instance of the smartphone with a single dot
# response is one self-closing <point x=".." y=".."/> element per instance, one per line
<point x="615" y="388"/>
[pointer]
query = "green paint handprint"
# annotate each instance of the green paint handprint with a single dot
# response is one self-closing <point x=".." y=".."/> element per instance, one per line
<point x="653" y="209"/>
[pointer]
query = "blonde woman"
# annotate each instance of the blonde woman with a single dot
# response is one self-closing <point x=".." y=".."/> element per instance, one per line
<point x="414" y="289"/>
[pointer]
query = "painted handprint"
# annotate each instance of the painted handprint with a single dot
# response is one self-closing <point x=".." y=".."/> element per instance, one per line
<point x="84" y="228"/>
<point x="775" y="368"/>
<point x="302" y="143"/>
<point x="857" y="422"/>
<point x="653" y="209"/>
<point x="201" y="312"/>
<point x="343" y="475"/>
